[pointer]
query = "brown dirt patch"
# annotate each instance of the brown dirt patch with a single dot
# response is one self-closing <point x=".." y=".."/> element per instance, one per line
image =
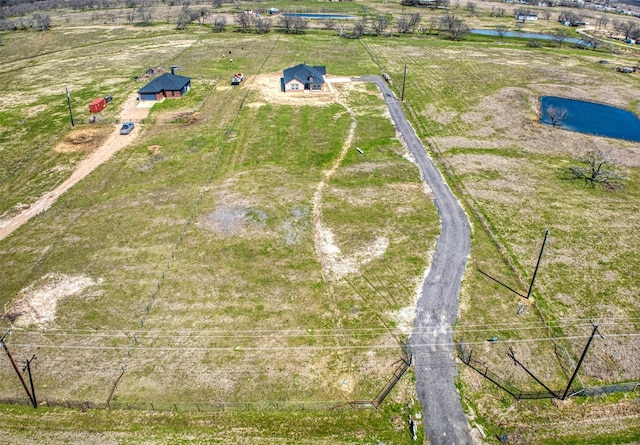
<point x="268" y="87"/>
<point x="85" y="139"/>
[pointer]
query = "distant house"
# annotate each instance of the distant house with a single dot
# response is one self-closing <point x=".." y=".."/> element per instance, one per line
<point x="167" y="85"/>
<point x="303" y="78"/>
<point x="526" y="17"/>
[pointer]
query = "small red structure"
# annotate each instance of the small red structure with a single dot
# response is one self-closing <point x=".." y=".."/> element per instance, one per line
<point x="97" y="105"/>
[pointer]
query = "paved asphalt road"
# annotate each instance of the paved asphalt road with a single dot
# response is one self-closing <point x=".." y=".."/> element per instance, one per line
<point x="432" y="340"/>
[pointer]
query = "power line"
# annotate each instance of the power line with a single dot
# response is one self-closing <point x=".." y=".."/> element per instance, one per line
<point x="301" y="348"/>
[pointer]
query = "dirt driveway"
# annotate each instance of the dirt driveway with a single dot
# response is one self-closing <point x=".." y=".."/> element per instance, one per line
<point x="114" y="142"/>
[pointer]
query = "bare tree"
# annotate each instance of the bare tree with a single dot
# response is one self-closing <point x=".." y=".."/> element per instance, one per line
<point x="41" y="22"/>
<point x="359" y="28"/>
<point x="184" y="18"/>
<point x="497" y="12"/>
<point x="144" y="14"/>
<point x="455" y="27"/>
<point x="407" y="23"/>
<point x="519" y="25"/>
<point x="329" y="23"/>
<point x="217" y="3"/>
<point x="472" y="8"/>
<point x="624" y="28"/>
<point x="219" y="23"/>
<point x="545" y="14"/>
<point x="556" y="114"/>
<point x="381" y="23"/>
<point x="263" y="24"/>
<point x="596" y="168"/>
<point x="501" y="30"/>
<point x="602" y="22"/>
<point x="559" y="35"/>
<point x="244" y="21"/>
<point x="130" y="15"/>
<point x="202" y="15"/>
<point x="434" y="23"/>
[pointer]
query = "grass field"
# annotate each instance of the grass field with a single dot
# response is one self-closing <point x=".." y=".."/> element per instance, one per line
<point x="204" y="273"/>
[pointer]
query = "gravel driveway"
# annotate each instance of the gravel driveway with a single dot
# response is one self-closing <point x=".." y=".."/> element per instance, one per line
<point x="432" y="339"/>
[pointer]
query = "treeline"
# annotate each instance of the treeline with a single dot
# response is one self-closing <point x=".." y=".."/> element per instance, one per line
<point x="18" y="8"/>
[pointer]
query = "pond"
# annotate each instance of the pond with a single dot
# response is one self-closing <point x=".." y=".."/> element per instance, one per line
<point x="318" y="16"/>
<point x="522" y="35"/>
<point x="592" y="118"/>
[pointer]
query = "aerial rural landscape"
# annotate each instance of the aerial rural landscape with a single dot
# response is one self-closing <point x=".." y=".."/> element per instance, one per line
<point x="319" y="222"/>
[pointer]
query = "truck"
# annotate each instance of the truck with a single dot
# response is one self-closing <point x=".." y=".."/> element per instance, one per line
<point x="97" y="105"/>
<point x="237" y="78"/>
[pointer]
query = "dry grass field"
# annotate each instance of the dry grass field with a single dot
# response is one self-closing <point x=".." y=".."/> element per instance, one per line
<point x="241" y="254"/>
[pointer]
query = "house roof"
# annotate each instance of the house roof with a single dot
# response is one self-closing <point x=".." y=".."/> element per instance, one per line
<point x="304" y="72"/>
<point x="166" y="82"/>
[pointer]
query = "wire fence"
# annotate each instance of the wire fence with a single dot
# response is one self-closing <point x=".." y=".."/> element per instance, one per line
<point x="466" y="356"/>
<point x="181" y="406"/>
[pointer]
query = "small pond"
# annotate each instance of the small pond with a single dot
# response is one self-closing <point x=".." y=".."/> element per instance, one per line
<point x="522" y="35"/>
<point x="318" y="16"/>
<point x="593" y="118"/>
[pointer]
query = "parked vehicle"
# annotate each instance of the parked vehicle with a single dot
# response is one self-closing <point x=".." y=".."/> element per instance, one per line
<point x="108" y="99"/>
<point x="126" y="128"/>
<point x="237" y="78"/>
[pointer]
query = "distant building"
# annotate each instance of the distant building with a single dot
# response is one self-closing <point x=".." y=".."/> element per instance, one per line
<point x="303" y="78"/>
<point x="165" y="86"/>
<point x="526" y="17"/>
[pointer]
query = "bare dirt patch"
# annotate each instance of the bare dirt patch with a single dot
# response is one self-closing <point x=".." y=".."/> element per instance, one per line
<point x="36" y="304"/>
<point x="268" y="86"/>
<point x="83" y="139"/>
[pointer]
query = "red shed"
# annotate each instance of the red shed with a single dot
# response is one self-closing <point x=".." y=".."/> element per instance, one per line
<point x="97" y="105"/>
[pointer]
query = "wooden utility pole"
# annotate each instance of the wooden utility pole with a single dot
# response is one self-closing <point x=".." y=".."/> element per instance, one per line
<point x="404" y="79"/>
<point x="15" y="368"/>
<point x="69" y="103"/>
<point x="535" y="272"/>
<point x="584" y="353"/>
<point x="27" y="367"/>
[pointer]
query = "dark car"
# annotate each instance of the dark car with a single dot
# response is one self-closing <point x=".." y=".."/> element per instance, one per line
<point x="126" y="128"/>
<point x="108" y="99"/>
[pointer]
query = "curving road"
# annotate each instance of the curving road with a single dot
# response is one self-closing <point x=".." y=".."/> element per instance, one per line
<point x="432" y="339"/>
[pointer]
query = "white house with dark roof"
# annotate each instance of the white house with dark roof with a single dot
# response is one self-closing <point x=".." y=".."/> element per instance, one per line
<point x="303" y="78"/>
<point x="167" y="85"/>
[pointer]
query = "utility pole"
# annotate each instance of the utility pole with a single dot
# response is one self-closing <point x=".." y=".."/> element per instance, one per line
<point x="535" y="272"/>
<point x="584" y="353"/>
<point x="15" y="368"/>
<point x="34" y="401"/>
<point x="404" y="79"/>
<point x="69" y="103"/>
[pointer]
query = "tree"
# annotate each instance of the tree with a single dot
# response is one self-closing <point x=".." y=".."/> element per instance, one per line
<point x="244" y="21"/>
<point x="407" y="23"/>
<point x="501" y="30"/>
<point x="434" y="23"/>
<point x="559" y="35"/>
<point x="219" y="23"/>
<point x="556" y="114"/>
<point x="184" y="18"/>
<point x="263" y="25"/>
<point x="596" y="168"/>
<point x="41" y="22"/>
<point x="602" y="22"/>
<point x="546" y="14"/>
<point x="144" y="13"/>
<point x="359" y="28"/>
<point x="453" y="26"/>
<point x="381" y="23"/>
<point x="624" y="28"/>
<point x="329" y="23"/>
<point x="472" y="8"/>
